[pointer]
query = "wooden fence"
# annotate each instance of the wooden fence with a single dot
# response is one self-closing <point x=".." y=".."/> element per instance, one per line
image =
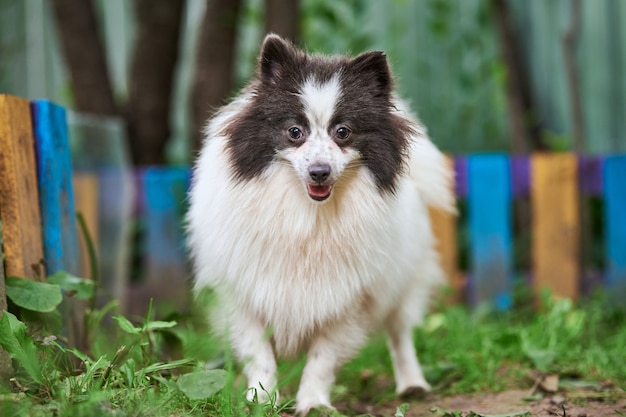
<point x="39" y="202"/>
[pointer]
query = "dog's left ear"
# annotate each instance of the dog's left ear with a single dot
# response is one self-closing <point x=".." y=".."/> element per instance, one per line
<point x="276" y="56"/>
<point x="373" y="66"/>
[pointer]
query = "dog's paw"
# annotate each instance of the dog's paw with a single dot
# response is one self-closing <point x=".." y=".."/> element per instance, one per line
<point x="261" y="396"/>
<point x="414" y="392"/>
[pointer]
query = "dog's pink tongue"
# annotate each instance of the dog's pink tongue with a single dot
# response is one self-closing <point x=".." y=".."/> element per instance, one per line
<point x="319" y="192"/>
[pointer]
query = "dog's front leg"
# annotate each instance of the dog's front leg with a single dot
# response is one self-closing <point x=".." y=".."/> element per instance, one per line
<point x="410" y="380"/>
<point x="326" y="354"/>
<point x="253" y="349"/>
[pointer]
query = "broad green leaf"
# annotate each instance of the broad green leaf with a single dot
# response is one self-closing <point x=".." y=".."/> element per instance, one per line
<point x="126" y="325"/>
<point x="83" y="289"/>
<point x="542" y="358"/>
<point x="401" y="410"/>
<point x="20" y="347"/>
<point x="153" y="325"/>
<point x="203" y="384"/>
<point x="33" y="295"/>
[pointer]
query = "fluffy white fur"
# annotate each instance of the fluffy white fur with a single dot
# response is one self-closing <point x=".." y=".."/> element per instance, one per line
<point x="293" y="274"/>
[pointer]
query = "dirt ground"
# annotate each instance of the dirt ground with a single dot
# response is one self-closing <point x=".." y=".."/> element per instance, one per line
<point x="579" y="403"/>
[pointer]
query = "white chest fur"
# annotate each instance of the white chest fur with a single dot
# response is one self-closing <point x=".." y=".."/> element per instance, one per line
<point x="271" y="251"/>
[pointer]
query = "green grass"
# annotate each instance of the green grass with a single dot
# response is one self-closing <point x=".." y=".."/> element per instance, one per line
<point x="134" y="369"/>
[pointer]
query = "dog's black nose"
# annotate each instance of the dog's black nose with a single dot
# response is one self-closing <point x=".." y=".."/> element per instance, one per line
<point x="319" y="173"/>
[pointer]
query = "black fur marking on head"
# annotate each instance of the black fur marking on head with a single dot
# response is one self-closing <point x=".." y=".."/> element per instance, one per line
<point x="261" y="129"/>
<point x="380" y="136"/>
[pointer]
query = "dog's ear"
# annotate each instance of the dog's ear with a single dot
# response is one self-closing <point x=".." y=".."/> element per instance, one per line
<point x="373" y="67"/>
<point x="276" y="56"/>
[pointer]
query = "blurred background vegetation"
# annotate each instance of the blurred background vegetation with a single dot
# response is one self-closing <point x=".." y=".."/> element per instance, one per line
<point x="483" y="75"/>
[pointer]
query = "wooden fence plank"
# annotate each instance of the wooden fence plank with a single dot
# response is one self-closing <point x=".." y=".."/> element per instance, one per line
<point x="555" y="224"/>
<point x="444" y="229"/>
<point x="58" y="215"/>
<point x="590" y="174"/>
<point x="23" y="249"/>
<point x="86" y="189"/>
<point x="165" y="266"/>
<point x="615" y="226"/>
<point x="165" y="193"/>
<point x="56" y="199"/>
<point x="489" y="209"/>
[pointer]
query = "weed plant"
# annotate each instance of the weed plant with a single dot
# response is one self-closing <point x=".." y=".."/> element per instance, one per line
<point x="174" y="367"/>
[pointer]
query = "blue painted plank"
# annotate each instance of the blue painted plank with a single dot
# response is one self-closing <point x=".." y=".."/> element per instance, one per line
<point x="489" y="210"/>
<point x="615" y="225"/>
<point x="164" y="206"/>
<point x="56" y="195"/>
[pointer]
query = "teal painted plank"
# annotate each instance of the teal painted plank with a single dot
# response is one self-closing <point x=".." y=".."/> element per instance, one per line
<point x="615" y="225"/>
<point x="164" y="206"/>
<point x="489" y="209"/>
<point x="56" y="195"/>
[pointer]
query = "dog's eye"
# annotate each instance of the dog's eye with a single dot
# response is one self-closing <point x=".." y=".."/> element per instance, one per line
<point x="295" y="133"/>
<point x="342" y="133"/>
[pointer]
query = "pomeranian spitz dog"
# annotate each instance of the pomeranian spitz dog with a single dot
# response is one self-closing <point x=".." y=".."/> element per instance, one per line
<point x="308" y="218"/>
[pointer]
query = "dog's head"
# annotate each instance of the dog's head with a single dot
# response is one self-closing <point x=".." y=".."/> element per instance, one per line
<point x="322" y="115"/>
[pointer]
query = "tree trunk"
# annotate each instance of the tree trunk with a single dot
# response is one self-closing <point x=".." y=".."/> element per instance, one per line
<point x="213" y="78"/>
<point x="282" y="17"/>
<point x="570" y="41"/>
<point x="85" y="56"/>
<point x="525" y="126"/>
<point x="615" y="72"/>
<point x="151" y="78"/>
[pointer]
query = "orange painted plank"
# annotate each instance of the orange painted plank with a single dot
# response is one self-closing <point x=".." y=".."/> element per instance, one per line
<point x="86" y="203"/>
<point x="19" y="200"/>
<point x="555" y="223"/>
<point x="444" y="228"/>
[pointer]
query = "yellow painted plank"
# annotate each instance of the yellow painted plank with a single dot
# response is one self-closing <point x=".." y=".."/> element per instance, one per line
<point x="19" y="200"/>
<point x="555" y="223"/>
<point x="86" y="203"/>
<point x="444" y="228"/>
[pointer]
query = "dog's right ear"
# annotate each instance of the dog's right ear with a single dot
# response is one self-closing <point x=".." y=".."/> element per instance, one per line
<point x="276" y="56"/>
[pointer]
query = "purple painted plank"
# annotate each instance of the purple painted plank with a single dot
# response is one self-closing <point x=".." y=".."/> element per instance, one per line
<point x="520" y="175"/>
<point x="460" y="168"/>
<point x="590" y="181"/>
<point x="138" y="201"/>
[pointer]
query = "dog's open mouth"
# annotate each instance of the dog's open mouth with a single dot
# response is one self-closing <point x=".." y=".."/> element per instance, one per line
<point x="319" y="192"/>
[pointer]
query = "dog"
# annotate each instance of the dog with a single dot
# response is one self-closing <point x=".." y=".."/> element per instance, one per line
<point x="308" y="219"/>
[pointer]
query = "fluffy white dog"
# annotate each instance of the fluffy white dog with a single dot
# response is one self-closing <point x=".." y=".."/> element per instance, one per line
<point x="309" y="218"/>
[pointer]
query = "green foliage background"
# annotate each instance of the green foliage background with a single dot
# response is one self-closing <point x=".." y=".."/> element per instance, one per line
<point x="444" y="54"/>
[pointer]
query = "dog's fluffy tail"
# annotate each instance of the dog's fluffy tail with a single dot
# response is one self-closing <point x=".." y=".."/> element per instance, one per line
<point x="433" y="174"/>
<point x="431" y="171"/>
